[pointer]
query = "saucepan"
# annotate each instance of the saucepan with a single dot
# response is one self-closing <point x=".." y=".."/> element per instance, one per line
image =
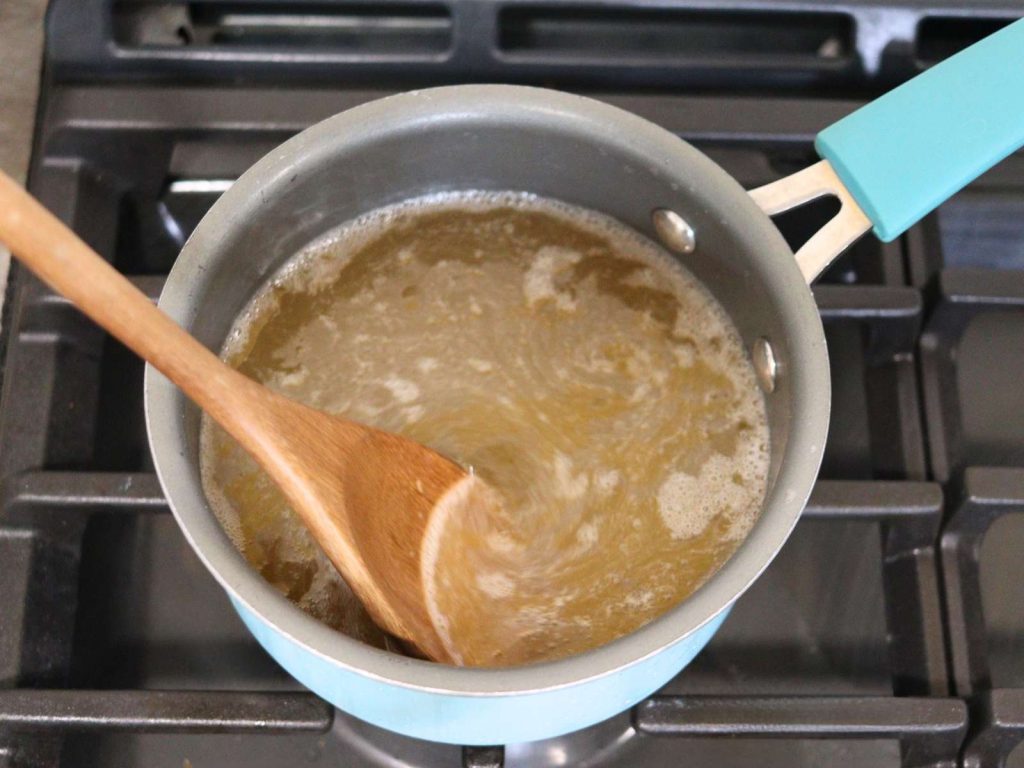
<point x="889" y="164"/>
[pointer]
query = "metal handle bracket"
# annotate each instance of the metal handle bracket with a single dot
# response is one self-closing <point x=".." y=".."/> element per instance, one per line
<point x="837" y="235"/>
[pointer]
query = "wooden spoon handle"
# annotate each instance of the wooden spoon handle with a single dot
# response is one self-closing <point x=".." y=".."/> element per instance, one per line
<point x="69" y="266"/>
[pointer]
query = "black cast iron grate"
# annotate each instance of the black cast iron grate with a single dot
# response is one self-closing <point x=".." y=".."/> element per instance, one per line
<point x="864" y="644"/>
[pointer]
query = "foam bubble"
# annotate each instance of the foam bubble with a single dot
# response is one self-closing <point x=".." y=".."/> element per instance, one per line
<point x="687" y="504"/>
<point x="548" y="265"/>
<point x="403" y="390"/>
<point x="642" y="278"/>
<point x="586" y="535"/>
<point x="567" y="484"/>
<point x="495" y="584"/>
<point x="501" y="543"/>
<point x="287" y="380"/>
<point x="413" y="413"/>
<point x="639" y="600"/>
<point x="607" y="480"/>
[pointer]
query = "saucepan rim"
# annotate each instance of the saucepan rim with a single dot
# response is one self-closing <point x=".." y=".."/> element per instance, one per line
<point x="806" y="369"/>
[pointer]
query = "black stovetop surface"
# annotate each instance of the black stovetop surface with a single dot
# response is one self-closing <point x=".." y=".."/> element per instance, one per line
<point x="890" y="630"/>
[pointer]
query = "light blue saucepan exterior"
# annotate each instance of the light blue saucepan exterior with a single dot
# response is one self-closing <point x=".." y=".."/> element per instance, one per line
<point x="481" y="720"/>
<point x="593" y="155"/>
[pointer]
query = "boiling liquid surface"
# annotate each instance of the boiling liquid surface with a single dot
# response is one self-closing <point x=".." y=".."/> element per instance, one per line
<point x="568" y="361"/>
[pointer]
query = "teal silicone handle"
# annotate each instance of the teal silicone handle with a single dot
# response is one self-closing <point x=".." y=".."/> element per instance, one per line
<point x="905" y="153"/>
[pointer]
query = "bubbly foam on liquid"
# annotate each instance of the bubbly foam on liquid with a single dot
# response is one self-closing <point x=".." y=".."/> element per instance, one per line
<point x="577" y="369"/>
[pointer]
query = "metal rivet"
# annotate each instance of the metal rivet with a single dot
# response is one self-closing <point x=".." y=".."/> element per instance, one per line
<point x="673" y="230"/>
<point x="765" y="366"/>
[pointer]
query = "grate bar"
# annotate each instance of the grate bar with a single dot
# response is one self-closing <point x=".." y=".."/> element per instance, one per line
<point x="151" y="285"/>
<point x="876" y="501"/>
<point x="912" y="511"/>
<point x="997" y="728"/>
<point x="891" y="314"/>
<point x="103" y="109"/>
<point x="930" y="729"/>
<point x="28" y="493"/>
<point x="689" y="42"/>
<point x="789" y="717"/>
<point x="985" y="494"/>
<point x="910" y="515"/>
<point x="163" y="711"/>
<point x="868" y="302"/>
<point x="963" y="294"/>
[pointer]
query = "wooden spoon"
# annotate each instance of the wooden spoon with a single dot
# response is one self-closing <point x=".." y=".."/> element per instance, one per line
<point x="366" y="495"/>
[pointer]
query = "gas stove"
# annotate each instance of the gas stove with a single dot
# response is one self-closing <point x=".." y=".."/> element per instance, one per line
<point x="889" y="631"/>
